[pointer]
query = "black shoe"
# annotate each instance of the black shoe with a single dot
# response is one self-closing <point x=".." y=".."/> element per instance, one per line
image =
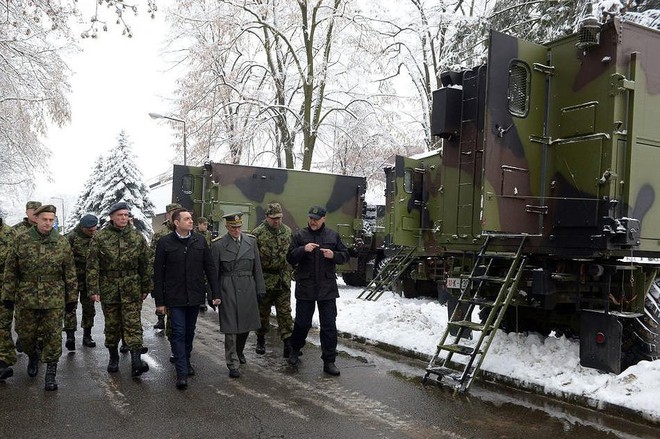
<point x="294" y="359"/>
<point x="172" y="358"/>
<point x="138" y="366"/>
<point x="331" y="369"/>
<point x="123" y="348"/>
<point x="203" y="308"/>
<point x="33" y="365"/>
<point x="70" y="340"/>
<point x="88" y="341"/>
<point x="241" y="358"/>
<point x="5" y="371"/>
<point x="182" y="383"/>
<point x="113" y="363"/>
<point x="160" y="324"/>
<point x="51" y="371"/>
<point x="287" y="347"/>
<point x="234" y="373"/>
<point x="19" y="345"/>
<point x="191" y="370"/>
<point x="261" y="345"/>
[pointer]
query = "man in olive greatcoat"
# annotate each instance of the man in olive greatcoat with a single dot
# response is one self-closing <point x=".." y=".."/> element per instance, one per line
<point x="119" y="275"/>
<point x="40" y="280"/>
<point x="79" y="239"/>
<point x="7" y="348"/>
<point x="241" y="288"/>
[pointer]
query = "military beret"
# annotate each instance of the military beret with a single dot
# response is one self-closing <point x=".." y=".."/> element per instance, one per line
<point x="316" y="212"/>
<point x="88" y="221"/>
<point x="32" y="205"/>
<point x="172" y="207"/>
<point x="118" y="206"/>
<point x="234" y="219"/>
<point x="202" y="220"/>
<point x="45" y="208"/>
<point x="274" y="210"/>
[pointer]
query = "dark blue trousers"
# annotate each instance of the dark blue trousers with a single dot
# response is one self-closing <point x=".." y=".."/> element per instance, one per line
<point x="183" y="320"/>
<point x="328" y="331"/>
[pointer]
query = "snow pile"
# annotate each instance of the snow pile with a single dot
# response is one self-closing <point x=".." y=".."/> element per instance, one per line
<point x="552" y="364"/>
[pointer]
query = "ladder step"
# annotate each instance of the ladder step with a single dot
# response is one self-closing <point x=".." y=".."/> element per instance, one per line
<point x="444" y="372"/>
<point x="468" y="324"/>
<point x="478" y="301"/>
<point x="494" y="279"/>
<point x="457" y="349"/>
<point x="499" y="255"/>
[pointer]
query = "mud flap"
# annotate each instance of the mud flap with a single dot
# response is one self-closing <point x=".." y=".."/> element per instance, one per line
<point x="600" y="341"/>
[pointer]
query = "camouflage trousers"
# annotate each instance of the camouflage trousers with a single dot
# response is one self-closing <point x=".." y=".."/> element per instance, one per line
<point x="7" y="348"/>
<point x="41" y="324"/>
<point x="123" y="319"/>
<point x="88" y="314"/>
<point x="281" y="299"/>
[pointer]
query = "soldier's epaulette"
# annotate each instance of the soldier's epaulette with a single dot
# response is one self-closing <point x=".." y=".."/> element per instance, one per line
<point x="217" y="238"/>
<point x="250" y="235"/>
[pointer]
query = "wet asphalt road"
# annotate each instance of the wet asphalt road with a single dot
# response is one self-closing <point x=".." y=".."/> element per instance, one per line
<point x="378" y="395"/>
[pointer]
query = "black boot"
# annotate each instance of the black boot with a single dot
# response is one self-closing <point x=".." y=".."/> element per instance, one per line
<point x="294" y="359"/>
<point x="287" y="347"/>
<point x="138" y="367"/>
<point x="5" y="371"/>
<point x="330" y="368"/>
<point x="160" y="324"/>
<point x="33" y="365"/>
<point x="19" y="345"/>
<point x="51" y="371"/>
<point x="113" y="363"/>
<point x="70" y="340"/>
<point x="261" y="345"/>
<point x="123" y="348"/>
<point x="87" y="338"/>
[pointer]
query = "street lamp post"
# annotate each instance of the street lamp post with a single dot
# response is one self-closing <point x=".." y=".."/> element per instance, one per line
<point x="175" y="119"/>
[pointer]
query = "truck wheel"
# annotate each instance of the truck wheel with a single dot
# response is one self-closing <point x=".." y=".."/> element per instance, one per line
<point x="641" y="336"/>
<point x="355" y="279"/>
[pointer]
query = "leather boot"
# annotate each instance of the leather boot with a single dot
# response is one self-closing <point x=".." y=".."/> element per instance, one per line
<point x="287" y="347"/>
<point x="160" y="324"/>
<point x="70" y="340"/>
<point x="5" y="371"/>
<point x="87" y="338"/>
<point x="33" y="365"/>
<point x="124" y="347"/>
<point x="138" y="367"/>
<point x="113" y="363"/>
<point x="19" y="345"/>
<point x="293" y="359"/>
<point x="330" y="368"/>
<point x="51" y="372"/>
<point x="261" y="345"/>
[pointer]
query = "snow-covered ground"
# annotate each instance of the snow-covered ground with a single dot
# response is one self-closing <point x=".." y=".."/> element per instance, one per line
<point x="552" y="364"/>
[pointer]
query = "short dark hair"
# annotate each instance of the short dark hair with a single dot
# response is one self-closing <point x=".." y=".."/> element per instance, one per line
<point x="177" y="214"/>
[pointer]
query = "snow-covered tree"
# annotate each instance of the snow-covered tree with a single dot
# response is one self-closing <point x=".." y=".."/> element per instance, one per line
<point x="113" y="179"/>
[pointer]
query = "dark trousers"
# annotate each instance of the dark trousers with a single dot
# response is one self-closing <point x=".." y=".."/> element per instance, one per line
<point x="183" y="320"/>
<point x="328" y="331"/>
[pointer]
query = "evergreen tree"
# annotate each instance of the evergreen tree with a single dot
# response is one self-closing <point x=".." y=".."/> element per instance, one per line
<point x="86" y="203"/>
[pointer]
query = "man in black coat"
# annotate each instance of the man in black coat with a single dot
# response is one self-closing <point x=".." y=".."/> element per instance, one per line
<point x="314" y="252"/>
<point x="182" y="260"/>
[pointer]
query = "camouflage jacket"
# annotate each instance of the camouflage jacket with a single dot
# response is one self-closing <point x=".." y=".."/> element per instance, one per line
<point x="40" y="272"/>
<point x="118" y="265"/>
<point x="23" y="226"/>
<point x="6" y="235"/>
<point x="206" y="234"/>
<point x="80" y="246"/>
<point x="273" y="245"/>
<point x="167" y="228"/>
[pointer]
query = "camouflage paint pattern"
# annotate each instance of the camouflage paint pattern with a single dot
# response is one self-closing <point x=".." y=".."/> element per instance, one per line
<point x="273" y="245"/>
<point x="7" y="348"/>
<point x="80" y="246"/>
<point x="23" y="226"/>
<point x="43" y="326"/>
<point x="123" y="319"/>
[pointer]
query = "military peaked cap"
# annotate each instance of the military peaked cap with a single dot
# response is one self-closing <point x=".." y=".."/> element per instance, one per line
<point x="88" y="221"/>
<point x="234" y="219"/>
<point x="274" y="210"/>
<point x="172" y="207"/>
<point x="118" y="206"/>
<point x="32" y="205"/>
<point x="316" y="212"/>
<point x="45" y="208"/>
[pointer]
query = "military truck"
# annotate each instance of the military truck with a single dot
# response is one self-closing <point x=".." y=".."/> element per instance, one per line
<point x="217" y="189"/>
<point x="540" y="208"/>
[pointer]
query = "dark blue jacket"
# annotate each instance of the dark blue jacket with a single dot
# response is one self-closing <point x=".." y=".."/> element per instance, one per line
<point x="315" y="274"/>
<point x="180" y="269"/>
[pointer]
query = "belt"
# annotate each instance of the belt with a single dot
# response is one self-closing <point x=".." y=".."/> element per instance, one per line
<point x="237" y="273"/>
<point x="113" y="274"/>
<point x="42" y="278"/>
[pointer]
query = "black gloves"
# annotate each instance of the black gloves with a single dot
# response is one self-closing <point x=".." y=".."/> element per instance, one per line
<point x="261" y="298"/>
<point x="71" y="306"/>
<point x="9" y="304"/>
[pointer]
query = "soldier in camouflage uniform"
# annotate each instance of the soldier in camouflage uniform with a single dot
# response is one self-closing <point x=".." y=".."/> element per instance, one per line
<point x="7" y="348"/>
<point x="273" y="239"/>
<point x="167" y="228"/>
<point x="40" y="279"/>
<point x="119" y="275"/>
<point x="79" y="239"/>
<point x="30" y="218"/>
<point x="203" y="229"/>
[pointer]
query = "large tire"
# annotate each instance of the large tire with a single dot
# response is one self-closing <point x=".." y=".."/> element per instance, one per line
<point x="641" y="336"/>
<point x="355" y="279"/>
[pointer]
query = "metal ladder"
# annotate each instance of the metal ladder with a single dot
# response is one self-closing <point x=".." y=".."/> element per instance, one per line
<point x="459" y="375"/>
<point x="388" y="274"/>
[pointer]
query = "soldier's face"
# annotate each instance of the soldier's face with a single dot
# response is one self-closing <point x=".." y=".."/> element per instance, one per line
<point x="202" y="227"/>
<point x="275" y="223"/>
<point x="45" y="222"/>
<point x="234" y="231"/>
<point x="89" y="231"/>
<point x="316" y="224"/>
<point x="31" y="216"/>
<point x="184" y="224"/>
<point x="120" y="218"/>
